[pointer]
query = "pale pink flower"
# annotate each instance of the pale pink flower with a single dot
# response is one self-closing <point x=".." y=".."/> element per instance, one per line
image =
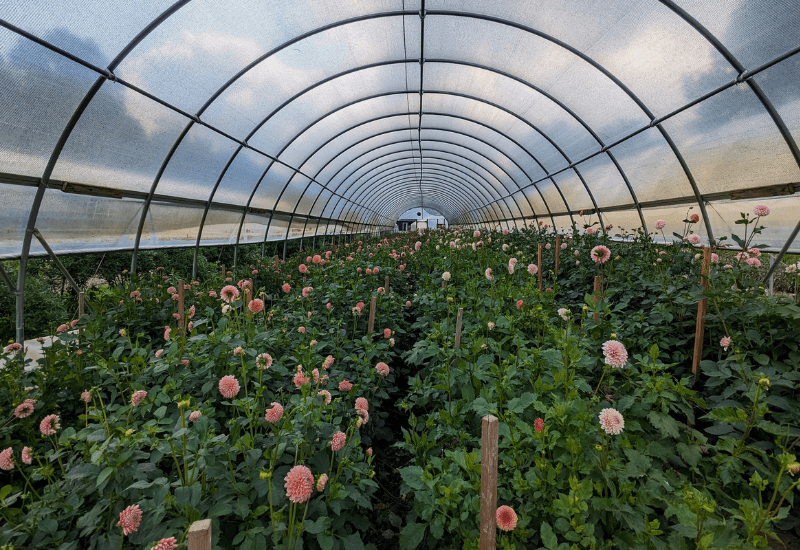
<point x="563" y="246"/>
<point x="344" y="385"/>
<point x="316" y="259"/>
<point x="591" y="230"/>
<point x="238" y="351"/>
<point x="25" y="409"/>
<point x="212" y="293"/>
<point x="229" y="386"/>
<point x="338" y="441"/>
<point x="166" y="544"/>
<point x="158" y="353"/>
<point x="754" y="252"/>
<point x="694" y="218"/>
<point x="391" y="342"/>
<point x="286" y="288"/>
<point x="275" y="413"/>
<point x="129" y="519"/>
<point x="87" y="397"/>
<point x="328" y="306"/>
<point x="167" y="330"/>
<point x="61" y="328"/>
<point x="369" y="451"/>
<point x="256" y="305"/>
<point x="301" y="330"/>
<point x="600" y="254"/>
<point x="611" y="421"/>
<point x="510" y="268"/>
<point x="491" y="325"/>
<point x="302" y="268"/>
<point x="264" y="361"/>
<point x="506" y="518"/>
<point x="417" y="245"/>
<point x="694" y="239"/>
<point x="725" y="342"/>
<point x="137" y="397"/>
<point x="563" y="313"/>
<point x="520" y="303"/>
<point x="323" y="479"/>
<point x="172" y="290"/>
<point x="229" y="293"/>
<point x="300" y="378"/>
<point x="615" y="353"/>
<point x="714" y="258"/>
<point x="7" y="459"/>
<point x="27" y="456"/>
<point x="476" y="234"/>
<point x="488" y="273"/>
<point x="327" y="395"/>
<point x="299" y="483"/>
<point x="194" y="416"/>
<point x="328" y="362"/>
<point x="50" y="424"/>
<point x="761" y="210"/>
<point x="660" y="224"/>
<point x="382" y="368"/>
<point x="538" y="424"/>
<point x="362" y="404"/>
<point x="533" y="269"/>
<point x="315" y="375"/>
<point x="754" y="262"/>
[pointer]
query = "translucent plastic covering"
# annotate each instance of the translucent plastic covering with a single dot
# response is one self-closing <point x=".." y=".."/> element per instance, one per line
<point x="133" y="125"/>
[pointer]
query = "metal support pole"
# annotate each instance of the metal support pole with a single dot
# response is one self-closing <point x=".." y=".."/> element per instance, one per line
<point x="11" y="288"/>
<point x="56" y="261"/>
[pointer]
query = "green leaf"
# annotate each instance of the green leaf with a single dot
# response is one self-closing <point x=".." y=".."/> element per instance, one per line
<point x="325" y="541"/>
<point x="220" y="509"/>
<point x="5" y="491"/>
<point x="104" y="476"/>
<point x="549" y="538"/>
<point x="316" y="527"/>
<point x="353" y="542"/>
<point x="412" y="476"/>
<point x="519" y="404"/>
<point x="664" y="424"/>
<point x="411" y="535"/>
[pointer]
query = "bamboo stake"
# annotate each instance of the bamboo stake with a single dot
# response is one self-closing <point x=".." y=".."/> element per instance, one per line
<point x="200" y="535"/>
<point x="558" y="252"/>
<point x="489" y="430"/>
<point x="598" y="291"/>
<point x="540" y="267"/>
<point x="181" y="315"/>
<point x="372" y="307"/>
<point x="702" y="306"/>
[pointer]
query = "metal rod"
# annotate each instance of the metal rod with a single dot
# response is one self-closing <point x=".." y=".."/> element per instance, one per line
<point x="7" y="281"/>
<point x="56" y="261"/>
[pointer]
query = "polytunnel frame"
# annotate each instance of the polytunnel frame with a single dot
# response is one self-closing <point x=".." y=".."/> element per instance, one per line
<point x="107" y="74"/>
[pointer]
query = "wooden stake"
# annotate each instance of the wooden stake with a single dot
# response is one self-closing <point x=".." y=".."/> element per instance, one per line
<point x="224" y="271"/>
<point x="200" y="535"/>
<point x="81" y="303"/>
<point x="372" y="306"/>
<point x="540" y="267"/>
<point x="489" y="429"/>
<point x="702" y="305"/>
<point x="386" y="285"/>
<point x="558" y="252"/>
<point x="181" y="316"/>
<point x="459" y="321"/>
<point x="598" y="293"/>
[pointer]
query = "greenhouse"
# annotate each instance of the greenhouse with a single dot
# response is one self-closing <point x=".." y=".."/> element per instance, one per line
<point x="399" y="274"/>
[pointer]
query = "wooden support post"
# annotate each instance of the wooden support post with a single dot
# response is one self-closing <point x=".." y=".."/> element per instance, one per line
<point x="372" y="306"/>
<point x="598" y="293"/>
<point x="540" y="267"/>
<point x="701" y="315"/>
<point x="224" y="271"/>
<point x="558" y="252"/>
<point x="386" y="285"/>
<point x="444" y="284"/>
<point x="181" y="312"/>
<point x="248" y="293"/>
<point x="489" y="429"/>
<point x="200" y="535"/>
<point x="459" y="321"/>
<point x="81" y="303"/>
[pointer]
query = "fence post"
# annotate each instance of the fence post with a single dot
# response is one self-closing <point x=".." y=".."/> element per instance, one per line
<point x="598" y="292"/>
<point x="701" y="315"/>
<point x="200" y="535"/>
<point x="558" y="252"/>
<point x="489" y="431"/>
<point x="181" y="313"/>
<point x="372" y="306"/>
<point x="540" y="267"/>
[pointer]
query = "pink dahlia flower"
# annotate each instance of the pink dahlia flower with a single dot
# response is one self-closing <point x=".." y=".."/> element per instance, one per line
<point x="387" y="333"/>
<point x="195" y="416"/>
<point x="256" y="305"/>
<point x="328" y="363"/>
<point x="27" y="456"/>
<point x="286" y="288"/>
<point x="382" y="368"/>
<point x="344" y="385"/>
<point x="25" y="409"/>
<point x="86" y="397"/>
<point x="7" y="459"/>
<point x="275" y="413"/>
<point x="323" y="479"/>
<point x="615" y="353"/>
<point x="338" y="441"/>
<point x="538" y="424"/>
<point x="476" y="234"/>
<point x="600" y="254"/>
<point x="302" y="268"/>
<point x="761" y="210"/>
<point x="238" y="351"/>
<point x="300" y="378"/>
<point x="754" y="262"/>
<point x="129" y="519"/>
<point x="660" y="224"/>
<point x="506" y="518"/>
<point x="563" y="313"/>
<point x="362" y="404"/>
<point x="694" y="239"/>
<point x="488" y="273"/>
<point x="510" y="268"/>
<point x="228" y="386"/>
<point x="725" y="342"/>
<point x="611" y="421"/>
<point x="167" y="330"/>
<point x="166" y="544"/>
<point x="299" y="484"/>
<point x="138" y="396"/>
<point x="533" y="269"/>
<point x="50" y="424"/>
<point x="264" y="361"/>
<point x="229" y="293"/>
<point x="327" y="396"/>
